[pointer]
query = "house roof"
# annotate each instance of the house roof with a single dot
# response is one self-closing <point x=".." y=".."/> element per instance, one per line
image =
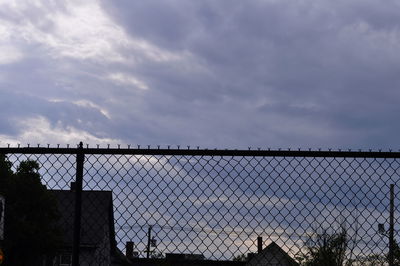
<point x="97" y="216"/>
<point x="272" y="255"/>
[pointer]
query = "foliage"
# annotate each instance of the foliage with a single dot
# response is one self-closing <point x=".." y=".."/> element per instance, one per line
<point x="396" y="254"/>
<point x="371" y="260"/>
<point x="241" y="257"/>
<point x="324" y="248"/>
<point x="31" y="214"/>
<point x="156" y="255"/>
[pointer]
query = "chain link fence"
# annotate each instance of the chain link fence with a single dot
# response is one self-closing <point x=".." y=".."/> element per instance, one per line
<point x="248" y="206"/>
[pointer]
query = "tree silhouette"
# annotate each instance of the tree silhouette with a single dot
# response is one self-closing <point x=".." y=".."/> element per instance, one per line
<point x="396" y="254"/>
<point x="241" y="257"/>
<point x="324" y="248"/>
<point x="31" y="213"/>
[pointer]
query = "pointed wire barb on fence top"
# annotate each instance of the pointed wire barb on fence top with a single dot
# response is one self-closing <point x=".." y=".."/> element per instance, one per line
<point x="198" y="148"/>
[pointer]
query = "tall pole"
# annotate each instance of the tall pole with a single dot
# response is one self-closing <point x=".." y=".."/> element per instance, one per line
<point x="78" y="205"/>
<point x="391" y="226"/>
<point x="259" y="244"/>
<point x="148" y="241"/>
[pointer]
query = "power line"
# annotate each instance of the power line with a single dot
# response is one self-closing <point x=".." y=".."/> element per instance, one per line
<point x="216" y="231"/>
<point x="248" y="233"/>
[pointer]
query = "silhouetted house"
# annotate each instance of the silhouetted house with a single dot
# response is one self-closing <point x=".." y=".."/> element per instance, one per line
<point x="272" y="255"/>
<point x="2" y="204"/>
<point x="98" y="245"/>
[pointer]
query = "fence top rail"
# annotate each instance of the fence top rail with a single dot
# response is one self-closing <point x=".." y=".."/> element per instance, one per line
<point x="203" y="152"/>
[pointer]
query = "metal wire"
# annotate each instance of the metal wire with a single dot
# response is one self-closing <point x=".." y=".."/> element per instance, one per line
<point x="217" y="202"/>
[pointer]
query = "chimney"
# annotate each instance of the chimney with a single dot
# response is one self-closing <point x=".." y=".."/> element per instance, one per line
<point x="73" y="186"/>
<point x="259" y="244"/>
<point x="129" y="249"/>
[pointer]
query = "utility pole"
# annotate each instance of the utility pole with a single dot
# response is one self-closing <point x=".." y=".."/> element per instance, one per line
<point x="148" y="241"/>
<point x="391" y="226"/>
<point x="389" y="233"/>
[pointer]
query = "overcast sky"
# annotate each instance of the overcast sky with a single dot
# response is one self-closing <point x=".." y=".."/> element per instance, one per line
<point x="226" y="73"/>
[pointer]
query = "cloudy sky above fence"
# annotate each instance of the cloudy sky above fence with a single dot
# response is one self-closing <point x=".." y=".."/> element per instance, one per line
<point x="226" y="74"/>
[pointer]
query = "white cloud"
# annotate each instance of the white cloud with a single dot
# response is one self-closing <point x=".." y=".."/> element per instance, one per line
<point x="39" y="130"/>
<point x="81" y="31"/>
<point x="128" y="80"/>
<point x="85" y="32"/>
<point x="86" y="103"/>
<point x="4" y="32"/>
<point x="9" y="54"/>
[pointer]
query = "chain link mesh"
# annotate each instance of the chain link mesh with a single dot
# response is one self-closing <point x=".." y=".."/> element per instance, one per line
<point x="217" y="206"/>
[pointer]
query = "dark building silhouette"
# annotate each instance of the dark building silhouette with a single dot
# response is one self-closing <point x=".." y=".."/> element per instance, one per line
<point x="272" y="255"/>
<point x="98" y="245"/>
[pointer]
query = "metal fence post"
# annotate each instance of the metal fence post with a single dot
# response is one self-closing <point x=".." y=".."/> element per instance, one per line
<point x="391" y="226"/>
<point x="80" y="156"/>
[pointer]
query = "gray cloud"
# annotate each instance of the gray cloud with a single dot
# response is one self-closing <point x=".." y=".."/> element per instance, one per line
<point x="224" y="74"/>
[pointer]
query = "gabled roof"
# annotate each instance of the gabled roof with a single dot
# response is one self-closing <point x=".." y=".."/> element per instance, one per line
<point x="97" y="215"/>
<point x="272" y="255"/>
